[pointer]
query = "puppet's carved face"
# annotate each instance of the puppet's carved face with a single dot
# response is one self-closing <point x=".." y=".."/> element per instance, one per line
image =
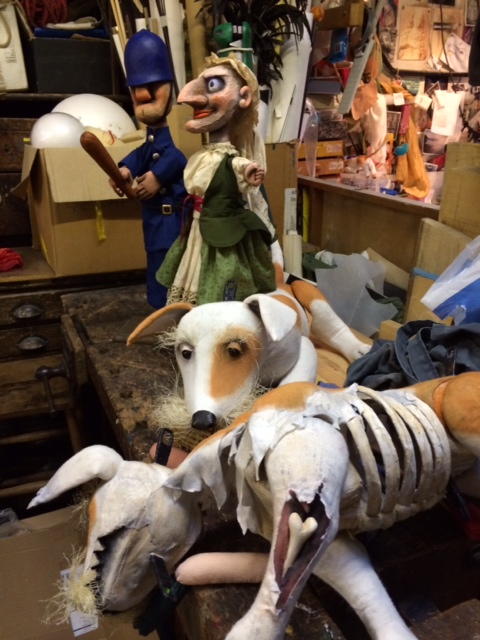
<point x="151" y="101"/>
<point x="215" y="96"/>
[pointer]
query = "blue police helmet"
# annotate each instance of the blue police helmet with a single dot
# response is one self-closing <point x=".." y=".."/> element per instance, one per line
<point x="147" y="59"/>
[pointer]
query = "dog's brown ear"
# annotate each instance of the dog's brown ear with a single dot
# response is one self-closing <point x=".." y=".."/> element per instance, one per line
<point x="159" y="321"/>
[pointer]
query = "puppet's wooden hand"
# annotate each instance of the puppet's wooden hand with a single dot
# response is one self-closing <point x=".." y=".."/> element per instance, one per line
<point x="254" y="174"/>
<point x="148" y="186"/>
<point x="126" y="176"/>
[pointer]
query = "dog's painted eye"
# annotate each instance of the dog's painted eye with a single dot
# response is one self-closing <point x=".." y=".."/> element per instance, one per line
<point x="185" y="351"/>
<point x="235" y="349"/>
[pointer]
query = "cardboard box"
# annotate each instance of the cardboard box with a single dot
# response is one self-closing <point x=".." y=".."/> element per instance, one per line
<point x="414" y="308"/>
<point x="325" y="149"/>
<point x="78" y="221"/>
<point x="30" y="570"/>
<point x="437" y="246"/>
<point x="323" y="167"/>
<point x="461" y="188"/>
<point x="14" y="218"/>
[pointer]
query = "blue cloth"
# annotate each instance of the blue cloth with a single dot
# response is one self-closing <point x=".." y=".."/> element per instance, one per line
<point x="159" y="155"/>
<point x="156" y="292"/>
<point x="160" y="230"/>
<point x="423" y="350"/>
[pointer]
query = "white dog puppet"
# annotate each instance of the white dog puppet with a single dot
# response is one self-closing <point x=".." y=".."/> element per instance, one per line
<point x="224" y="348"/>
<point x="306" y="468"/>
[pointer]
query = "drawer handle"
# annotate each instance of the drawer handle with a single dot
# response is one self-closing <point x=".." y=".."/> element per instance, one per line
<point x="31" y="344"/>
<point x="27" y="311"/>
<point x="45" y="374"/>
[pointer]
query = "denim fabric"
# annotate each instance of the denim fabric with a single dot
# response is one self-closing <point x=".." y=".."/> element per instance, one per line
<point x="423" y="350"/>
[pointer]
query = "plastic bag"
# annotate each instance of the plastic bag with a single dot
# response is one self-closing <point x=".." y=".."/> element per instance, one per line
<point x="345" y="289"/>
<point x="456" y="292"/>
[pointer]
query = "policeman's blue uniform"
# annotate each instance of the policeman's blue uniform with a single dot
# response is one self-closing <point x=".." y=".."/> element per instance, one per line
<point x="162" y="214"/>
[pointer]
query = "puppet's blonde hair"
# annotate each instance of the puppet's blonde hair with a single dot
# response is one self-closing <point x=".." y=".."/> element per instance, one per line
<point x="242" y="131"/>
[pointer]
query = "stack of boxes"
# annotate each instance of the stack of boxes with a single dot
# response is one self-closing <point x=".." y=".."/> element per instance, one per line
<point x="329" y="158"/>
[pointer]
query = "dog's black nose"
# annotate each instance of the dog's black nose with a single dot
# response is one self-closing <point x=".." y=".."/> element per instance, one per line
<point x="203" y="420"/>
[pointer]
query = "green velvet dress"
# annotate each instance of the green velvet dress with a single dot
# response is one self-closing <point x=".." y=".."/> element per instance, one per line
<point x="227" y="251"/>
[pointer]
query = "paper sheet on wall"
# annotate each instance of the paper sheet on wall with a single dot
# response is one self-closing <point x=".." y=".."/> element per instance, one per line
<point x="456" y="53"/>
<point x="446" y="114"/>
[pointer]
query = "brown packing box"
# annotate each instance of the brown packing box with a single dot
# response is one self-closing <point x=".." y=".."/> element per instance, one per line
<point x="323" y="166"/>
<point x="78" y="221"/>
<point x="414" y="308"/>
<point x="30" y="566"/>
<point x="325" y="149"/>
<point x="437" y="246"/>
<point x="461" y="188"/>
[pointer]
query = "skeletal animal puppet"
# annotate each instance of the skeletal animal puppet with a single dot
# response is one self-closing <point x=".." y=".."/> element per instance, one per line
<point x="128" y="520"/>
<point x="223" y="349"/>
<point x="304" y="469"/>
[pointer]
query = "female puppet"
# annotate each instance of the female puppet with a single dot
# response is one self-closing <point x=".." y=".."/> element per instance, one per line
<point x="226" y="252"/>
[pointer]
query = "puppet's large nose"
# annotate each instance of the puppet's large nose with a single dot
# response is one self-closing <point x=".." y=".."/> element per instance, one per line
<point x="141" y="94"/>
<point x="203" y="420"/>
<point x="193" y="93"/>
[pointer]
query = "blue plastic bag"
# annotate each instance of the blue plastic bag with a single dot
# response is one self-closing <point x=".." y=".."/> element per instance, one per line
<point x="456" y="293"/>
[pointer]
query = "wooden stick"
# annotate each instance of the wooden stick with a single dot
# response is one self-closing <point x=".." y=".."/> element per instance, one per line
<point x="97" y="151"/>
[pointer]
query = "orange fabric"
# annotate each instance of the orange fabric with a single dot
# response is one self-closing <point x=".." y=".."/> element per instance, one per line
<point x="411" y="171"/>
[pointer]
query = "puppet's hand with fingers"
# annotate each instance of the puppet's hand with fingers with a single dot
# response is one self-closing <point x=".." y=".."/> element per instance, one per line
<point x="128" y="178"/>
<point x="254" y="174"/>
<point x="148" y="185"/>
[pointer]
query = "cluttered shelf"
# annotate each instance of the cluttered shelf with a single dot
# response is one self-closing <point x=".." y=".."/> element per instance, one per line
<point x="14" y="97"/>
<point x="344" y="219"/>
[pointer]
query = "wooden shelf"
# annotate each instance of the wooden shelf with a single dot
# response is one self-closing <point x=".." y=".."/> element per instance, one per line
<point x="34" y="97"/>
<point x="348" y="220"/>
<point x="349" y="14"/>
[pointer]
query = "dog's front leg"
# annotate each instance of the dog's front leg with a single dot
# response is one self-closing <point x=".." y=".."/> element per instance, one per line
<point x="306" y="471"/>
<point x="327" y="327"/>
<point x="346" y="567"/>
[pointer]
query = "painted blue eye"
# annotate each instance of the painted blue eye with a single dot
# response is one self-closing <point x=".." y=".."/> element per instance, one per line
<point x="215" y="84"/>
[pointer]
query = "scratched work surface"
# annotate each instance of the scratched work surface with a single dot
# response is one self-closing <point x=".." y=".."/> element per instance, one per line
<point x="428" y="565"/>
<point x="127" y="379"/>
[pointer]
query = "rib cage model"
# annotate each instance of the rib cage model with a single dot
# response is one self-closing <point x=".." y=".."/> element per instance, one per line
<point x="401" y="453"/>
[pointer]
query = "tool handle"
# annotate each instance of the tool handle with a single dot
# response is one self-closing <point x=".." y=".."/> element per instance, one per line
<point x="98" y="152"/>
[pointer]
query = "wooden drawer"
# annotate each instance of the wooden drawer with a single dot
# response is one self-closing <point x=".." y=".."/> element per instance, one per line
<point x="22" y="394"/>
<point x="13" y="132"/>
<point x="30" y="308"/>
<point x="14" y="215"/>
<point x="30" y="341"/>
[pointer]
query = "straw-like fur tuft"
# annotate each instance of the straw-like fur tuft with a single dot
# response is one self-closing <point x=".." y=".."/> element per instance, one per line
<point x="74" y="593"/>
<point x="171" y="412"/>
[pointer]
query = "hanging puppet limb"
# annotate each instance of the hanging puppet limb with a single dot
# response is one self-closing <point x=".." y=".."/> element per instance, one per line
<point x="327" y="327"/>
<point x="130" y="516"/>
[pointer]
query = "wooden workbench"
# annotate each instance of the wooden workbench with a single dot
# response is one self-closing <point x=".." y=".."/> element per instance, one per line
<point x="425" y="562"/>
